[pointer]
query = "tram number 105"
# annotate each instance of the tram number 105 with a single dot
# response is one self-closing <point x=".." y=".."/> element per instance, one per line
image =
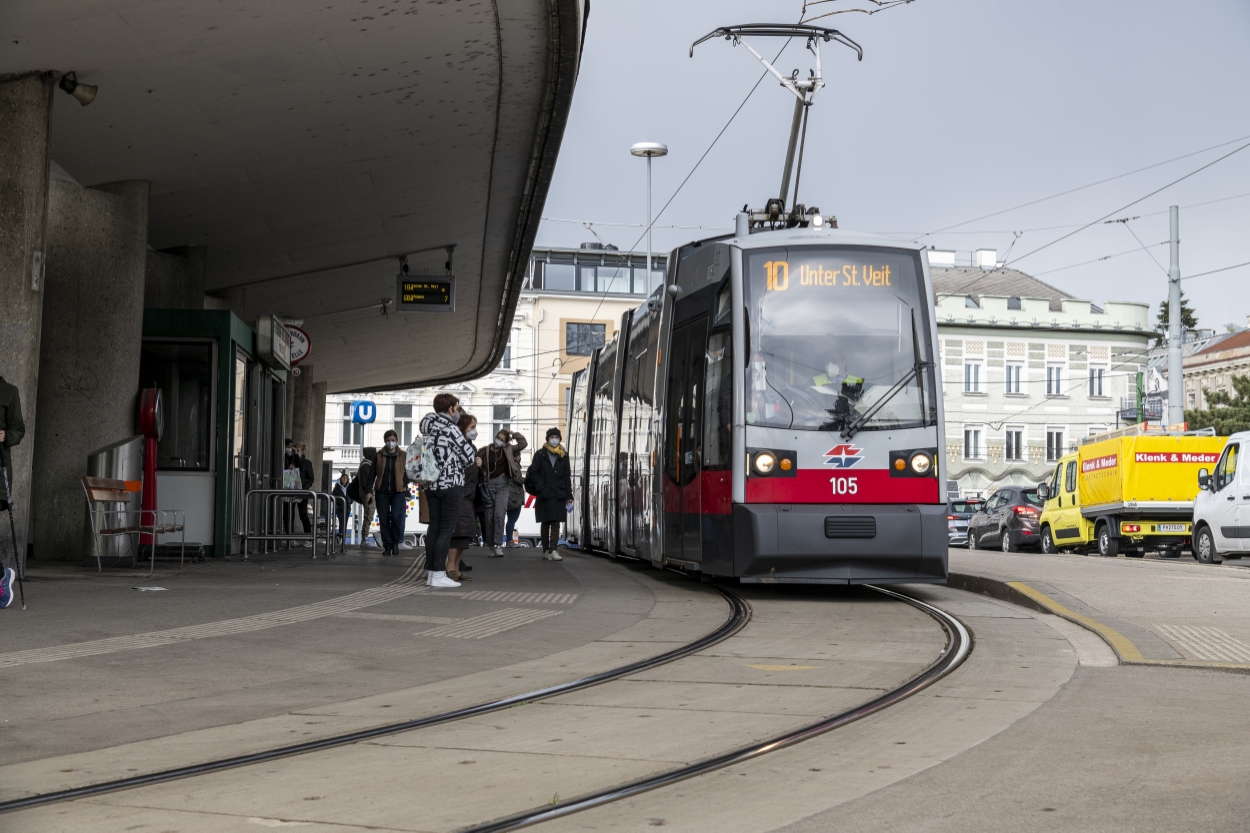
<point x="845" y="485"/>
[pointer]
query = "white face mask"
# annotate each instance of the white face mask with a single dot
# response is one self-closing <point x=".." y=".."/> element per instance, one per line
<point x="391" y="444"/>
<point x="554" y="442"/>
<point x="833" y="370"/>
<point x="498" y="443"/>
<point x="471" y="434"/>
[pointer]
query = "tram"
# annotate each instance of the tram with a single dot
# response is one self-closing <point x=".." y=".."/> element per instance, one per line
<point x="771" y="413"/>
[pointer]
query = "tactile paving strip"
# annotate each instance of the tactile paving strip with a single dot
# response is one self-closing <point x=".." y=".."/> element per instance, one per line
<point x="1206" y="643"/>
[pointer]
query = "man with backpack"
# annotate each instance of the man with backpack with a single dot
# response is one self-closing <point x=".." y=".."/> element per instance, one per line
<point x="360" y="490"/>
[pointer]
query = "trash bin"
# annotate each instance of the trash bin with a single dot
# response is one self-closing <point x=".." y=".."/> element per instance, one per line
<point x="123" y="460"/>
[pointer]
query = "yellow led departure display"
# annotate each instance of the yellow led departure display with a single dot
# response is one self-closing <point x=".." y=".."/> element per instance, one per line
<point x="777" y="275"/>
<point x="425" y="294"/>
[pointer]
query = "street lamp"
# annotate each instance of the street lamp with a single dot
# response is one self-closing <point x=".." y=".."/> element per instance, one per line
<point x="649" y="150"/>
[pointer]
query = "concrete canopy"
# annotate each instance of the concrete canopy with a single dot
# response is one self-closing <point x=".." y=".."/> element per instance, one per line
<point x="309" y="146"/>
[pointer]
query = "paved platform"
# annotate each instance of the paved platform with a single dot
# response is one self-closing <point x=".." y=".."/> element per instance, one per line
<point x="1041" y="728"/>
<point x="1149" y="610"/>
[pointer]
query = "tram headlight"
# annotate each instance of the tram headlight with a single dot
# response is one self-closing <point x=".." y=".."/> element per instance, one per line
<point x="817" y="221"/>
<point x="764" y="462"/>
<point x="921" y="463"/>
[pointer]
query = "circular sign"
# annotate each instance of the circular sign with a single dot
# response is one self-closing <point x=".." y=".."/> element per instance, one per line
<point x="301" y="345"/>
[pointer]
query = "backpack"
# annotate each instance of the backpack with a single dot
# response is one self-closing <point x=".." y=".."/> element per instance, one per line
<point x="353" y="488"/>
<point x="421" y="467"/>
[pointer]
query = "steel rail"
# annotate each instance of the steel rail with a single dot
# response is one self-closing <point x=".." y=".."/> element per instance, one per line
<point x="739" y="615"/>
<point x="959" y="643"/>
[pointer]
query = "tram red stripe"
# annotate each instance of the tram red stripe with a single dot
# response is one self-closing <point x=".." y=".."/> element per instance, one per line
<point x="857" y="486"/>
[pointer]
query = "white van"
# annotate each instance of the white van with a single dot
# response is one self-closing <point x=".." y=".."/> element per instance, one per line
<point x="1222" y="507"/>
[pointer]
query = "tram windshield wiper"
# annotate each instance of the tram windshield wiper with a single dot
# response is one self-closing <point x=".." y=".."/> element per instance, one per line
<point x="915" y="373"/>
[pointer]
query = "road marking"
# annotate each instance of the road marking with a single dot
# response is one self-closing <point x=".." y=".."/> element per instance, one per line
<point x="489" y="624"/>
<point x="411" y="582"/>
<point x="524" y="598"/>
<point x="400" y="617"/>
<point x="784" y="667"/>
<point x="1206" y="643"/>
<point x="1121" y="643"/>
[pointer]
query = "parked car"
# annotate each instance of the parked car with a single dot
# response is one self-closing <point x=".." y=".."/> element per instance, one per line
<point x="957" y="514"/>
<point x="1007" y="521"/>
<point x="1222" y="507"/>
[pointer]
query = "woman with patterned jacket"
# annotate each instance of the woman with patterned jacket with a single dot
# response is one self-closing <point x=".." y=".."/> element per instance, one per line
<point x="452" y="452"/>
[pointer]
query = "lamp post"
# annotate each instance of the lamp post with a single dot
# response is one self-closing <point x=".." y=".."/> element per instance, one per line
<point x="649" y="150"/>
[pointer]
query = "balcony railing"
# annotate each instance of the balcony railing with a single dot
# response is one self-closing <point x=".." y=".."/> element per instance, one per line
<point x="345" y="453"/>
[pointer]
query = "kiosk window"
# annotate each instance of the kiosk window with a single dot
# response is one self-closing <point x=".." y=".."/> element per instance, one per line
<point x="184" y="373"/>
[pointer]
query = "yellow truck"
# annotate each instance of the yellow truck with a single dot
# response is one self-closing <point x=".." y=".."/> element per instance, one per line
<point x="1126" y="491"/>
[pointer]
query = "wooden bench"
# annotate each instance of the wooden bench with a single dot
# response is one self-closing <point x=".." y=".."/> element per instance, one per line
<point x="102" y="491"/>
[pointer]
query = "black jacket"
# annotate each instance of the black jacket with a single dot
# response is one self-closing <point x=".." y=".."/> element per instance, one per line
<point x="551" y="485"/>
<point x="14" y="428"/>
<point x="306" y="475"/>
<point x="466" y="521"/>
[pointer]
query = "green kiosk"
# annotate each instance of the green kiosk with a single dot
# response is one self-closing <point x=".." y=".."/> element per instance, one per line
<point x="224" y="386"/>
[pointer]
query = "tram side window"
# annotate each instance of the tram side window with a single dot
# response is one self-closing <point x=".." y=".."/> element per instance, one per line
<point x="718" y="404"/>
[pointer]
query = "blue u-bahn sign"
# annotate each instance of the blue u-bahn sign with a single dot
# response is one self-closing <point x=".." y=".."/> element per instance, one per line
<point x="364" y="412"/>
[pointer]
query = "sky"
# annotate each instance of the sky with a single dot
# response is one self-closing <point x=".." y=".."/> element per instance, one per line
<point x="959" y="109"/>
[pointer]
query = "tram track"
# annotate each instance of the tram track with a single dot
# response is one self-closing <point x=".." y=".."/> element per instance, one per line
<point x="959" y="642"/>
<point x="958" y="645"/>
<point x="739" y="615"/>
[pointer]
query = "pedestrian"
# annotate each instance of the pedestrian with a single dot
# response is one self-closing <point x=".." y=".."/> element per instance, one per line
<point x="340" y="490"/>
<point x="452" y="452"/>
<point x="501" y="463"/>
<point x="364" y="479"/>
<point x="516" y="502"/>
<point x="389" y="492"/>
<point x="467" y="521"/>
<point x="549" y="480"/>
<point x="12" y="429"/>
<point x="306" y="478"/>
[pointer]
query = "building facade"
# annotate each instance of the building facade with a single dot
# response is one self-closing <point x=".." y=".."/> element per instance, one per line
<point x="572" y="303"/>
<point x="1212" y="368"/>
<point x="1027" y="371"/>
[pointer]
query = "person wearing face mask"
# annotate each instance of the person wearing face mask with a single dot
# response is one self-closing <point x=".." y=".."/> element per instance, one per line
<point x="452" y="452"/>
<point x="465" y="532"/>
<point x="299" y="457"/>
<point x="340" y="490"/>
<point x="549" y="481"/>
<point x="501" y="471"/>
<point x="389" y="492"/>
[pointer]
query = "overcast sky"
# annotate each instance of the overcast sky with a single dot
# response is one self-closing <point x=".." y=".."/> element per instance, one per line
<point x="959" y="108"/>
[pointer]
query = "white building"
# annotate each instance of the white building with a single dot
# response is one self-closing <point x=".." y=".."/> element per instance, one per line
<point x="572" y="303"/>
<point x="1027" y="371"/>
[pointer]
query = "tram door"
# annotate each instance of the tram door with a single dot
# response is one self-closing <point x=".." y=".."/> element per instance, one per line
<point x="683" y="446"/>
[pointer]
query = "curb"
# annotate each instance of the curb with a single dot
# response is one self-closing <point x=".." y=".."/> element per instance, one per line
<point x="1128" y="653"/>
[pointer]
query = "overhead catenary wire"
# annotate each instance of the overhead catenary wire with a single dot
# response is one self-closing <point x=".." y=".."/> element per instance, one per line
<point x="682" y="185"/>
<point x="1085" y="187"/>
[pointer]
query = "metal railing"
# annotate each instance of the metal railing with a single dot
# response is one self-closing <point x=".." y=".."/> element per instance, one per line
<point x="276" y="511"/>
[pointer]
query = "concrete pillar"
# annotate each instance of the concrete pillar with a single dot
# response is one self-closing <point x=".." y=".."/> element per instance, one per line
<point x="25" y="127"/>
<point x="174" y="278"/>
<point x="89" y="361"/>
<point x="301" y="398"/>
<point x="317" y="445"/>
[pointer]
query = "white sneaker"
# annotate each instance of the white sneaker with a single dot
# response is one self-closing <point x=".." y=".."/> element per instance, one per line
<point x="552" y="556"/>
<point x="405" y="546"/>
<point x="368" y="542"/>
<point x="438" y="578"/>
<point x="498" y="553"/>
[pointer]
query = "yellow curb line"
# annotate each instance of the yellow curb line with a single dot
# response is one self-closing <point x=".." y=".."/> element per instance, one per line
<point x="1123" y="646"/>
<point x="1196" y="663"/>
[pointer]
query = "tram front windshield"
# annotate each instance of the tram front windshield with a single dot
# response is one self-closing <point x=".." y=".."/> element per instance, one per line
<point x="830" y="333"/>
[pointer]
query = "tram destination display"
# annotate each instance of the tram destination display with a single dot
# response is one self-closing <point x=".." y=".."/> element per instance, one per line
<point x="420" y="293"/>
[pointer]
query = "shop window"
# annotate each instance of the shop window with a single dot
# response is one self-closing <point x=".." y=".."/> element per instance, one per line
<point x="184" y="373"/>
